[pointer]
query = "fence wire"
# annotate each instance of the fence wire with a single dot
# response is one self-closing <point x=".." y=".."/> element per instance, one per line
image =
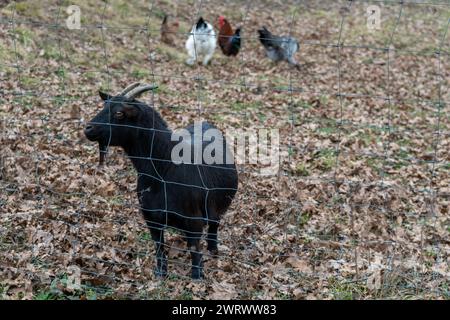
<point x="358" y="209"/>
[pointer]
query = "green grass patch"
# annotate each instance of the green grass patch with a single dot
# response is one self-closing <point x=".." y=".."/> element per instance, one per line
<point x="327" y="159"/>
<point x="23" y="36"/>
<point x="217" y="118"/>
<point x="171" y="53"/>
<point x="240" y="106"/>
<point x="446" y="166"/>
<point x="51" y="53"/>
<point x="145" y="236"/>
<point x="29" y="80"/>
<point x="305" y="105"/>
<point x="61" y="72"/>
<point x="2" y="291"/>
<point x="368" y="138"/>
<point x="327" y="130"/>
<point x="301" y="169"/>
<point x="185" y="295"/>
<point x="140" y="73"/>
<point x="303" y="219"/>
<point x="24" y="9"/>
<point x="345" y="290"/>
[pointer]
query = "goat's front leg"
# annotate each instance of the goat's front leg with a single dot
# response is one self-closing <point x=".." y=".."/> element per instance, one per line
<point x="161" y="260"/>
<point x="212" y="237"/>
<point x="193" y="242"/>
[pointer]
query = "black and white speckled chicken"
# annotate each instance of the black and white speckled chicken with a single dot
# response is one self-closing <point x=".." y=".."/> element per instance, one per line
<point x="278" y="48"/>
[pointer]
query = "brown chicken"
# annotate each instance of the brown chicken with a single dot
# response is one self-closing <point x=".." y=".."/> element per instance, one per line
<point x="229" y="41"/>
<point x="169" y="30"/>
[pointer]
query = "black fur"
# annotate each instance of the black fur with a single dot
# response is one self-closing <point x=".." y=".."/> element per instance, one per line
<point x="184" y="196"/>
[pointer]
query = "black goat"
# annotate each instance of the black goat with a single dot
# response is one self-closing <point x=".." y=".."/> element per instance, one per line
<point x="184" y="196"/>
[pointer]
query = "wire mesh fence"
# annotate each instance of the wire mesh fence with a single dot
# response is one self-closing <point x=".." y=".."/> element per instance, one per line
<point x="359" y="205"/>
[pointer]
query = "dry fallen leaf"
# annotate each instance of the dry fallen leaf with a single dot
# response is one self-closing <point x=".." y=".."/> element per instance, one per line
<point x="223" y="291"/>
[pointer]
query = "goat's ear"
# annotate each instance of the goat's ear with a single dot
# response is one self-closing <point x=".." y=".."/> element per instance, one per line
<point x="104" y="95"/>
<point x="130" y="111"/>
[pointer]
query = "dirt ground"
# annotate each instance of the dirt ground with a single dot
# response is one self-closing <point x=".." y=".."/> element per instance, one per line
<point x="358" y="210"/>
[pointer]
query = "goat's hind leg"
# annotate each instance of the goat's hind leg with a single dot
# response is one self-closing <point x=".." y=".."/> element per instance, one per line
<point x="193" y="241"/>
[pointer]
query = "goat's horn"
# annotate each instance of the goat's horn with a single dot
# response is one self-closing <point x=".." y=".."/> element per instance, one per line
<point x="140" y="90"/>
<point x="129" y="88"/>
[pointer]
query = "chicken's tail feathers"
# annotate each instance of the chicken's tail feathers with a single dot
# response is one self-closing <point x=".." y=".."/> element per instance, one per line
<point x="265" y="37"/>
<point x="236" y="40"/>
<point x="264" y="31"/>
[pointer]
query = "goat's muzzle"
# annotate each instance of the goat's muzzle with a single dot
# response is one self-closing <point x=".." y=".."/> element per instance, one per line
<point x="91" y="133"/>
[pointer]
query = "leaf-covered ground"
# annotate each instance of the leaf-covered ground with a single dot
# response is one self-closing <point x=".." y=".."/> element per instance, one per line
<point x="359" y="209"/>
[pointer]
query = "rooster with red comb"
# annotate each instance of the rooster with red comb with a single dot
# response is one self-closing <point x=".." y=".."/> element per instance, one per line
<point x="229" y="41"/>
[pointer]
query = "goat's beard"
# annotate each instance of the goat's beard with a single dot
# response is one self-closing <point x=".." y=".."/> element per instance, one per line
<point x="103" y="149"/>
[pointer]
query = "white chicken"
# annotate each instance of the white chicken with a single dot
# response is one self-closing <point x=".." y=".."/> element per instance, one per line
<point x="201" y="42"/>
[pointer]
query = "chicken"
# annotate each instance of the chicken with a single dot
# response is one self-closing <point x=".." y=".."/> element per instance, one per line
<point x="278" y="48"/>
<point x="201" y="42"/>
<point x="229" y="41"/>
<point x="169" y="30"/>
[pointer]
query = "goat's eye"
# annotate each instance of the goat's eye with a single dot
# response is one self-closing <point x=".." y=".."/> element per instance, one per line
<point x="119" y="115"/>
